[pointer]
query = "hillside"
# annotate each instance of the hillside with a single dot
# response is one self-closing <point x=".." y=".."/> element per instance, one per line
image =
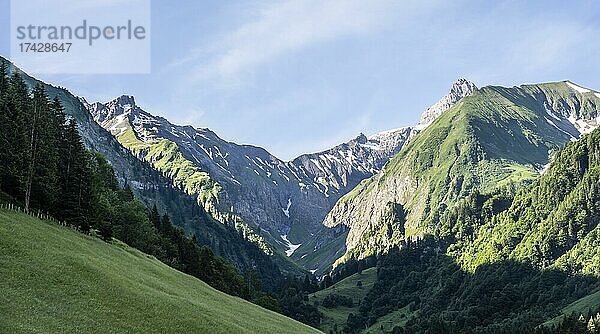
<point x="496" y="138"/>
<point x="153" y="188"/>
<point x="509" y="262"/>
<point x="584" y="305"/>
<point x="283" y="201"/>
<point x="552" y="223"/>
<point x="56" y="280"/>
<point x="335" y="317"/>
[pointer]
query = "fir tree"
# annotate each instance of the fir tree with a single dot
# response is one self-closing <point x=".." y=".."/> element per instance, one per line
<point x="42" y="179"/>
<point x="75" y="179"/>
<point x="17" y="111"/>
<point x="4" y="140"/>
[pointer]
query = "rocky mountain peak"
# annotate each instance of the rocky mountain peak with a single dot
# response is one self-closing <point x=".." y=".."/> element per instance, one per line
<point x="121" y="104"/>
<point x="124" y="100"/>
<point x="460" y="88"/>
<point x="106" y="112"/>
<point x="361" y="139"/>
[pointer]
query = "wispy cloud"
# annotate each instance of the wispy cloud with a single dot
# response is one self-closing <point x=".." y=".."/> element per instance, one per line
<point x="284" y="27"/>
<point x="549" y="45"/>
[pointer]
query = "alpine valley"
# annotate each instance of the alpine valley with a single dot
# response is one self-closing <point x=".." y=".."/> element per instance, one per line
<point x="283" y="202"/>
<point x="481" y="218"/>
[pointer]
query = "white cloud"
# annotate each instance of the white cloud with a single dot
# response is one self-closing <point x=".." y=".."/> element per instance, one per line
<point x="284" y="27"/>
<point x="548" y="45"/>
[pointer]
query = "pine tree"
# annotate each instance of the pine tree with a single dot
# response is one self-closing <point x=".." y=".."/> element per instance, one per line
<point x="155" y="217"/>
<point x="75" y="179"/>
<point x="4" y="144"/>
<point x="42" y="178"/>
<point x="17" y="113"/>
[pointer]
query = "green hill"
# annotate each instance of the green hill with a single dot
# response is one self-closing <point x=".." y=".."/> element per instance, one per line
<point x="584" y="305"/>
<point x="56" y="280"/>
<point x="494" y="140"/>
<point x="347" y="287"/>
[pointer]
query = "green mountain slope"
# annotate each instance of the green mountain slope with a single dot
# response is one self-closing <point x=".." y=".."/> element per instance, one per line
<point x="584" y="305"/>
<point x="510" y="262"/>
<point x="153" y="188"/>
<point x="554" y="222"/>
<point x="334" y="316"/>
<point x="496" y="138"/>
<point x="56" y="280"/>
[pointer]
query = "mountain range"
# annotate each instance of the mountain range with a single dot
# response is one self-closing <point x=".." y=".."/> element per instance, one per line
<point x="483" y="216"/>
<point x="284" y="203"/>
<point x="153" y="188"/>
<point x="319" y="208"/>
<point x="490" y="139"/>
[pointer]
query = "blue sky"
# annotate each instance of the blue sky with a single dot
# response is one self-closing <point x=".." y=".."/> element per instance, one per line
<point x="301" y="76"/>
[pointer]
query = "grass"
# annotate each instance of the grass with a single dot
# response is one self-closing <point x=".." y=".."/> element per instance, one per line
<point x="166" y="156"/>
<point x="346" y="287"/>
<point x="493" y="138"/>
<point x="588" y="303"/>
<point x="56" y="280"/>
<point x="389" y="321"/>
<point x="321" y="259"/>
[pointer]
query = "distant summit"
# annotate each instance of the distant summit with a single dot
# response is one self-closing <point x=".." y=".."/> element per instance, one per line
<point x="461" y="88"/>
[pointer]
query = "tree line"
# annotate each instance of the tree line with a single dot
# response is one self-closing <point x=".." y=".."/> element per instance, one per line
<point x="45" y="166"/>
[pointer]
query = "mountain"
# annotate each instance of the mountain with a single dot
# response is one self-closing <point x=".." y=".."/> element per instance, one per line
<point x="285" y="202"/>
<point x="57" y="280"/>
<point x="508" y="261"/>
<point x="554" y="222"/>
<point x="153" y="188"/>
<point x="495" y="138"/>
<point x="461" y="88"/>
<point x="281" y="199"/>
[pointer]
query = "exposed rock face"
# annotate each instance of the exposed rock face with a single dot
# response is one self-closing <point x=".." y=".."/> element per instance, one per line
<point x="461" y="88"/>
<point x="281" y="199"/>
<point x="151" y="186"/>
<point x="496" y="135"/>
<point x="284" y="201"/>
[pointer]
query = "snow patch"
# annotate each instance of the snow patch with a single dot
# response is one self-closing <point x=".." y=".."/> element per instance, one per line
<point x="349" y="157"/>
<point x="375" y="147"/>
<point x="119" y="124"/>
<point x="582" y="126"/>
<point x="333" y="157"/>
<point x="317" y="164"/>
<point x="291" y="247"/>
<point x="561" y="130"/>
<point x="578" y="88"/>
<point x="385" y="133"/>
<point x="550" y="113"/>
<point x="286" y="211"/>
<point x="322" y="181"/>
